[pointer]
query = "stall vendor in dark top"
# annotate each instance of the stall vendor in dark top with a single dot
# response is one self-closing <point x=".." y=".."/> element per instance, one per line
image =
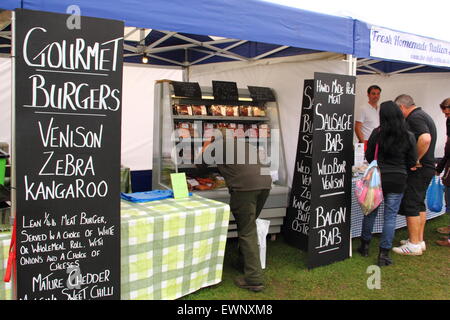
<point x="249" y="184"/>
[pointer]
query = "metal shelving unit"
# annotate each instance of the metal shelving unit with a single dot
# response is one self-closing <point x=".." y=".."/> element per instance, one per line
<point x="220" y="118"/>
<point x="164" y="128"/>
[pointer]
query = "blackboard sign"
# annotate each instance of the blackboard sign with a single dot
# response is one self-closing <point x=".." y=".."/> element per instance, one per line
<point x="225" y="91"/>
<point x="318" y="216"/>
<point x="296" y="224"/>
<point x="187" y="89"/>
<point x="261" y="93"/>
<point x="331" y="189"/>
<point x="68" y="90"/>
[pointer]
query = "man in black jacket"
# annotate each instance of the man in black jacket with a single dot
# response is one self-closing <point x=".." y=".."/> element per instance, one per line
<point x="419" y="177"/>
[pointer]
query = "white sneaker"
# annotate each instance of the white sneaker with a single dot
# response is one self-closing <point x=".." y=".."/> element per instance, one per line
<point x="408" y="249"/>
<point x="422" y="244"/>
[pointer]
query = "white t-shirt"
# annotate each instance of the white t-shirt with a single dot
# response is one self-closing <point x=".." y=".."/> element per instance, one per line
<point x="370" y="119"/>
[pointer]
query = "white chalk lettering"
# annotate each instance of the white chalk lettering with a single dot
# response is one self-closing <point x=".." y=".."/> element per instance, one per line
<point x="303" y="168"/>
<point x="329" y="218"/>
<point x="330" y="238"/>
<point x="322" y="87"/>
<point x="72" y="56"/>
<point x="331" y="168"/>
<point x="68" y="166"/>
<point x="331" y="182"/>
<point x="55" y="190"/>
<point x="301" y="227"/>
<point x="307" y="145"/>
<point x="47" y="247"/>
<point x="84" y="219"/>
<point x="333" y="143"/>
<point x="71" y="96"/>
<point x="45" y="283"/>
<point x="98" y="292"/>
<point x="333" y="122"/>
<point x="56" y="137"/>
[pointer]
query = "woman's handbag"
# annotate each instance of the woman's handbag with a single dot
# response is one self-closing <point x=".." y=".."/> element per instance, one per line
<point x="368" y="188"/>
<point x="435" y="195"/>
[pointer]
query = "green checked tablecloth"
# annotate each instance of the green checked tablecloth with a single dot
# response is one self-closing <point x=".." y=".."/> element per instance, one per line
<point x="169" y="248"/>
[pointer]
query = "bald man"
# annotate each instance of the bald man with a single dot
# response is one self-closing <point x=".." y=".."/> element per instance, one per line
<point x="419" y="177"/>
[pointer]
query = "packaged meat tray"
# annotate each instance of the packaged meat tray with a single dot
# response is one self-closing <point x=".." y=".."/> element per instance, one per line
<point x="240" y="131"/>
<point x="251" y="131"/>
<point x="184" y="129"/>
<point x="183" y="110"/>
<point x="232" y="111"/>
<point x="199" y="110"/>
<point x="264" y="130"/>
<point x="245" y="111"/>
<point x="208" y="130"/>
<point x="217" y="110"/>
<point x="258" y="112"/>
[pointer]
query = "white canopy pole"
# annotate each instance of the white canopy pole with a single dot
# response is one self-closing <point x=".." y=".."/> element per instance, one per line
<point x="351" y="60"/>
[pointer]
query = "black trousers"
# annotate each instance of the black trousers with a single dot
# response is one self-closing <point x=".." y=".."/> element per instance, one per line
<point x="246" y="207"/>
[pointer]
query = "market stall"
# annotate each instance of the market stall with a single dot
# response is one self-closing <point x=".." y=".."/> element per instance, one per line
<point x="267" y="54"/>
<point x="402" y="63"/>
<point x="27" y="130"/>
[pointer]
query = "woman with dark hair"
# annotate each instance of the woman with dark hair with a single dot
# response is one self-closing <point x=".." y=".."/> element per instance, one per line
<point x="397" y="153"/>
<point x="444" y="166"/>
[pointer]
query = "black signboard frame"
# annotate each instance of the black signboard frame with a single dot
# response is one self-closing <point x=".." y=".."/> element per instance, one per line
<point x="331" y="197"/>
<point x="187" y="89"/>
<point x="262" y="94"/>
<point x="67" y="155"/>
<point x="225" y="91"/>
<point x="296" y="223"/>
<point x="328" y="236"/>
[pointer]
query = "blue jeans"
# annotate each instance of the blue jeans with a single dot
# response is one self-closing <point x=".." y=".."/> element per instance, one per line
<point x="391" y="205"/>
<point x="447" y="199"/>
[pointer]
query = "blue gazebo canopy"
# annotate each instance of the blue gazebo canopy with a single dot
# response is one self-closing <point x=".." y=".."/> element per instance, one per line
<point x="251" y="29"/>
<point x="184" y="33"/>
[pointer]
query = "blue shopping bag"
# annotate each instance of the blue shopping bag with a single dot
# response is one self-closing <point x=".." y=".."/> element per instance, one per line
<point x="435" y="195"/>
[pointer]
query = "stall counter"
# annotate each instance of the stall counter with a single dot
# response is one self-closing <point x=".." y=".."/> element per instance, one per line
<point x="357" y="216"/>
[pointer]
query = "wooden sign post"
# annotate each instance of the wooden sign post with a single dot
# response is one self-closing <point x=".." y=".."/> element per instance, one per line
<point x="68" y="88"/>
<point x="322" y="224"/>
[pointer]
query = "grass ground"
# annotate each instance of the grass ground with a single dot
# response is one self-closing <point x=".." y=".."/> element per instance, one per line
<point x="287" y="278"/>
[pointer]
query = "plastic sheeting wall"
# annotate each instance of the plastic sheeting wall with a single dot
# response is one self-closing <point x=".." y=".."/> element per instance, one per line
<point x="137" y="110"/>
<point x="287" y="81"/>
<point x="137" y="113"/>
<point x="427" y="89"/>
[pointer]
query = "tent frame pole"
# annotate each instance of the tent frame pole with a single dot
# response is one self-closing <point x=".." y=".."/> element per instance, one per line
<point x="351" y="60"/>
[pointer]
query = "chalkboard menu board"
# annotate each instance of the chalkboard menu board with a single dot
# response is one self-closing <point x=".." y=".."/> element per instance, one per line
<point x="225" y="91"/>
<point x="331" y="191"/>
<point x="261" y="93"/>
<point x="68" y="88"/>
<point x="328" y="220"/>
<point x="187" y="89"/>
<point x="296" y="224"/>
